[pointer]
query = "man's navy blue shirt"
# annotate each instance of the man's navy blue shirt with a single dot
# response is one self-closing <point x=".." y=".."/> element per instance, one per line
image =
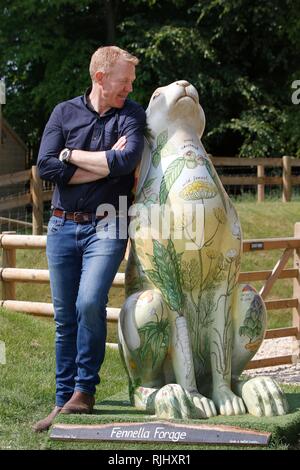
<point x="73" y="124"/>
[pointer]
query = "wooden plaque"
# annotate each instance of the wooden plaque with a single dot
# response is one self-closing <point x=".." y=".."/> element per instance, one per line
<point x="161" y="431"/>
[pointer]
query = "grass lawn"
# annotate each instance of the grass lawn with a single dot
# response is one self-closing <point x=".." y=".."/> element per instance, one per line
<point x="27" y="379"/>
<point x="27" y="391"/>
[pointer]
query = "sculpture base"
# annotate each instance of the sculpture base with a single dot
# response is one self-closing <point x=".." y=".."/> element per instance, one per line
<point x="115" y="424"/>
<point x="161" y="431"/>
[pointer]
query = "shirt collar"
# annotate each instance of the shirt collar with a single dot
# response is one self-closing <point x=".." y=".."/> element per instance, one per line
<point x="91" y="108"/>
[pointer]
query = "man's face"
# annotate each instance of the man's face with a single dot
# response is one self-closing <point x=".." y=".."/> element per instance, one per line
<point x="117" y="84"/>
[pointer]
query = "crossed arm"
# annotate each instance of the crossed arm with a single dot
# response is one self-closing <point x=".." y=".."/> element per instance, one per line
<point x="87" y="166"/>
<point x="92" y="166"/>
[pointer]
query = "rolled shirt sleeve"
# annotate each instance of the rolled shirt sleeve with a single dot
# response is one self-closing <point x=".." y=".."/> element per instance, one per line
<point x="123" y="162"/>
<point x="53" y="141"/>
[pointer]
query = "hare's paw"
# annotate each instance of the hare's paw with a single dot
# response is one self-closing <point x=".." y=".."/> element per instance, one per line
<point x="174" y="402"/>
<point x="171" y="402"/>
<point x="201" y="406"/>
<point x="144" y="399"/>
<point x="227" y="402"/>
<point x="264" y="397"/>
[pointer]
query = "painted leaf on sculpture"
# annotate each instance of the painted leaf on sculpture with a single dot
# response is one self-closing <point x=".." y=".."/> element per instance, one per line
<point x="172" y="173"/>
<point x="155" y="341"/>
<point x="162" y="139"/>
<point x="253" y="325"/>
<point x="148" y="183"/>
<point x="155" y="278"/>
<point x="166" y="274"/>
<point x="156" y="158"/>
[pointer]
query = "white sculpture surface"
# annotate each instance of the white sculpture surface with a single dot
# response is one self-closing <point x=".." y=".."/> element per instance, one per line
<point x="187" y="328"/>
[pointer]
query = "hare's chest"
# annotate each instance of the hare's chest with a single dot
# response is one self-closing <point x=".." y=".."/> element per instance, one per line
<point x="180" y="200"/>
<point x="182" y="184"/>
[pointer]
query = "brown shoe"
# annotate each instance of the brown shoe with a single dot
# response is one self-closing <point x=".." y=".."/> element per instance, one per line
<point x="44" y="424"/>
<point x="80" y="402"/>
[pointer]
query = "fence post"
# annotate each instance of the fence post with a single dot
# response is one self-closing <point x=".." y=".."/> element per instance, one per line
<point x="8" y="261"/>
<point x="286" y="178"/>
<point x="36" y="190"/>
<point x="296" y="290"/>
<point x="260" y="187"/>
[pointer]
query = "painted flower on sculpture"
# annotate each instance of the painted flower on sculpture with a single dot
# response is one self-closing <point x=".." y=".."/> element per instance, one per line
<point x="211" y="254"/>
<point x="236" y="230"/>
<point x="221" y="261"/>
<point x="231" y="255"/>
<point x="192" y="160"/>
<point x="190" y="272"/>
<point x="198" y="190"/>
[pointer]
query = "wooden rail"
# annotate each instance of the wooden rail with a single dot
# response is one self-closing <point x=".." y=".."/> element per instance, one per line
<point x="41" y="192"/>
<point x="9" y="203"/>
<point x="45" y="309"/>
<point x="33" y="197"/>
<point x="287" y="180"/>
<point x="15" y="178"/>
<point x="10" y="274"/>
<point x="18" y="223"/>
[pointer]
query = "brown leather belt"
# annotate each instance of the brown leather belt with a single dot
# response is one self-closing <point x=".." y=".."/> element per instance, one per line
<point x="78" y="217"/>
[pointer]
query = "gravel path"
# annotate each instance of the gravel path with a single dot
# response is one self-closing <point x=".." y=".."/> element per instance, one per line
<point x="278" y="347"/>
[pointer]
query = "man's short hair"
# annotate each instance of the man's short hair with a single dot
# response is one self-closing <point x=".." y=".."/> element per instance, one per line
<point x="105" y="57"/>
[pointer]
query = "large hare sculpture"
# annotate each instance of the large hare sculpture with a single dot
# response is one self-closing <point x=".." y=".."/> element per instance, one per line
<point x="187" y="328"/>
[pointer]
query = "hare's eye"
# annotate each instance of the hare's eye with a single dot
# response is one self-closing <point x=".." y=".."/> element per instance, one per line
<point x="155" y="95"/>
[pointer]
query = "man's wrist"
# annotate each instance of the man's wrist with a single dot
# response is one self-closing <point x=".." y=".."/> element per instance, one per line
<point x="65" y="155"/>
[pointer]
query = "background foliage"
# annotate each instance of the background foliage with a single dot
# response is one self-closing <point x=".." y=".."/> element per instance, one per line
<point x="242" y="56"/>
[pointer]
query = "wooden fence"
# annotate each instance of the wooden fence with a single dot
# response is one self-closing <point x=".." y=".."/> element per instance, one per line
<point x="42" y="191"/>
<point x="36" y="196"/>
<point x="10" y="274"/>
<point x="286" y="180"/>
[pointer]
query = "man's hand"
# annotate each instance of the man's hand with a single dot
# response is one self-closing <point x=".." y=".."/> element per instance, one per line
<point x="92" y="165"/>
<point x="120" y="144"/>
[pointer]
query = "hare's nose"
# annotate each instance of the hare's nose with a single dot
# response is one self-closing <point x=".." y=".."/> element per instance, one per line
<point x="183" y="83"/>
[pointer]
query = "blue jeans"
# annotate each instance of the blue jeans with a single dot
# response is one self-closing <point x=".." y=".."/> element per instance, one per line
<point x="82" y="267"/>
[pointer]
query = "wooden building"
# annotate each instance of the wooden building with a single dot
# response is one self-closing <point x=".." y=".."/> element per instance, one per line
<point x="13" y="151"/>
<point x="13" y="158"/>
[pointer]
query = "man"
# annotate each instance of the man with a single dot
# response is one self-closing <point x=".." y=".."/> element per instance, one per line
<point x="90" y="148"/>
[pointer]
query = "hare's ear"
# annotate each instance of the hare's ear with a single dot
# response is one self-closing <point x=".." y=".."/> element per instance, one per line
<point x="144" y="167"/>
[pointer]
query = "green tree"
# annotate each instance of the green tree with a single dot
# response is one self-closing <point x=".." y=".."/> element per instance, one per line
<point x="242" y="56"/>
<point x="45" y="49"/>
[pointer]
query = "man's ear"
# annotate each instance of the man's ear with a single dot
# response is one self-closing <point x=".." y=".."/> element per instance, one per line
<point x="99" y="77"/>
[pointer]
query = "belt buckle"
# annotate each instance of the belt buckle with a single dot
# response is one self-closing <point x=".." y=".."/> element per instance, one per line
<point x="81" y="217"/>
